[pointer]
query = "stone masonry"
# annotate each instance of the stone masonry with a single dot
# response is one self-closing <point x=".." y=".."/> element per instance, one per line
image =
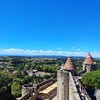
<point x="62" y="85"/>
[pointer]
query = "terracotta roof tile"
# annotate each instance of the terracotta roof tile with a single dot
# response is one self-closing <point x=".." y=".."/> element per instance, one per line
<point x="69" y="64"/>
<point x="89" y="60"/>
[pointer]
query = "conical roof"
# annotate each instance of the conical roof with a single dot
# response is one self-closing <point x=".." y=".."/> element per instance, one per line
<point x="69" y="65"/>
<point x="89" y="60"/>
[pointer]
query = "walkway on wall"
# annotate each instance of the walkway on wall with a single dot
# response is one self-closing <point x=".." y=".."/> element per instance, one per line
<point x="82" y="92"/>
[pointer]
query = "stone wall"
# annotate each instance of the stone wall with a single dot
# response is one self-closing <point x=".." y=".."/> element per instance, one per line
<point x="73" y="92"/>
<point x="26" y="88"/>
<point x="31" y="96"/>
<point x="45" y="86"/>
<point x="32" y="91"/>
<point x="66" y="87"/>
<point x="62" y="85"/>
<point x="98" y="94"/>
<point x="89" y="67"/>
<point x="45" y="82"/>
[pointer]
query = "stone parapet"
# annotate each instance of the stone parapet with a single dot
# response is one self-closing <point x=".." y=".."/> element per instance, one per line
<point x="73" y="92"/>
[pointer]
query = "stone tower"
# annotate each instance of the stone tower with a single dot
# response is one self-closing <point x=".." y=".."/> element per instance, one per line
<point x="69" y="66"/>
<point x="63" y="79"/>
<point x="89" y="64"/>
<point x="62" y="85"/>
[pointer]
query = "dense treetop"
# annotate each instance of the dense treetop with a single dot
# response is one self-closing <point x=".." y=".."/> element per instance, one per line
<point x="91" y="79"/>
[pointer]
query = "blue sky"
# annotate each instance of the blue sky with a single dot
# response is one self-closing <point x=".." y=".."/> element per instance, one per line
<point x="68" y="26"/>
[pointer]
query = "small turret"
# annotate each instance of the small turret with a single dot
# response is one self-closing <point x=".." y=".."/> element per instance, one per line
<point x="89" y="64"/>
<point x="69" y="66"/>
<point x="89" y="60"/>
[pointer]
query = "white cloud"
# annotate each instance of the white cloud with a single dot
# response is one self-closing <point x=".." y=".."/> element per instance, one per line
<point x="78" y="49"/>
<point x="12" y="51"/>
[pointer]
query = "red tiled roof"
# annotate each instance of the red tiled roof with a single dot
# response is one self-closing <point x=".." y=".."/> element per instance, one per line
<point x="89" y="60"/>
<point x="69" y="64"/>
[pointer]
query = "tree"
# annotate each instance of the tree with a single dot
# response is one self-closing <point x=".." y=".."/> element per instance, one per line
<point x="91" y="79"/>
<point x="5" y="86"/>
<point x="17" y="87"/>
